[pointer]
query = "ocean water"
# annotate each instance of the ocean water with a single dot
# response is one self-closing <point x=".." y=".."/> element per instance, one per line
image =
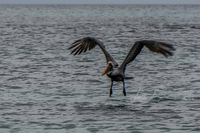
<point x="44" y="89"/>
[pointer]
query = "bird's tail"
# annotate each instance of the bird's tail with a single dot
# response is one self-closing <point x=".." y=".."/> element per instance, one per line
<point x="128" y="77"/>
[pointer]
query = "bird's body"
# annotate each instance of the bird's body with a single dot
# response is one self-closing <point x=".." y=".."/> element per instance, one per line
<point x="113" y="71"/>
<point x="116" y="75"/>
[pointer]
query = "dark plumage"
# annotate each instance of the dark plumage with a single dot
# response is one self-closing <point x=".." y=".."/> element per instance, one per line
<point x="112" y="70"/>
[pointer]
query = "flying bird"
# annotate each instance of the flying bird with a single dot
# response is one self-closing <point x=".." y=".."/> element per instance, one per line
<point x="113" y="71"/>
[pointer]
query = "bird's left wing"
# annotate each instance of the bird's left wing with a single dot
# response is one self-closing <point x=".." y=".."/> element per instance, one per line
<point x="88" y="43"/>
<point x="154" y="46"/>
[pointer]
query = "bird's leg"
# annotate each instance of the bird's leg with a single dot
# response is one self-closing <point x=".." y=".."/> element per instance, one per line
<point x="111" y="92"/>
<point x="124" y="90"/>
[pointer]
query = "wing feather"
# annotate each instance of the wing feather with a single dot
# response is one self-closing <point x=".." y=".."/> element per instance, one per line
<point x="85" y="48"/>
<point x="154" y="46"/>
<point x="74" y="44"/>
<point x="88" y="43"/>
<point x="80" y="50"/>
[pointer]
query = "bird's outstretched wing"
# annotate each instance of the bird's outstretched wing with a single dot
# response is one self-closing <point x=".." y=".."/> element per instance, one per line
<point x="154" y="46"/>
<point x="88" y="43"/>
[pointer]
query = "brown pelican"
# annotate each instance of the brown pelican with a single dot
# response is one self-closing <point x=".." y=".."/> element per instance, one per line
<point x="113" y="71"/>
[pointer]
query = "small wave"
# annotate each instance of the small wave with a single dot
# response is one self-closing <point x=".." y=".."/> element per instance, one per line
<point x="141" y="99"/>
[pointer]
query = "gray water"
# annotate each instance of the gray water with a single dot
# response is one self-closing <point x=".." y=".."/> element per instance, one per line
<point x="44" y="89"/>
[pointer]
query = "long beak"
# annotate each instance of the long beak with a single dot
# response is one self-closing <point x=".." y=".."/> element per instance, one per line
<point x="105" y="70"/>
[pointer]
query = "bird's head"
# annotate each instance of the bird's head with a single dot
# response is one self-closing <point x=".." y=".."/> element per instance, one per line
<point x="108" y="69"/>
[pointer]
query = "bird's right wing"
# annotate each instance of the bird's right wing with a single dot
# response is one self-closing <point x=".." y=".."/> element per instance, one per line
<point x="88" y="43"/>
<point x="154" y="46"/>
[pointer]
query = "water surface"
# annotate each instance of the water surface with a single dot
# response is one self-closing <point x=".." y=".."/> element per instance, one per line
<point x="45" y="89"/>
